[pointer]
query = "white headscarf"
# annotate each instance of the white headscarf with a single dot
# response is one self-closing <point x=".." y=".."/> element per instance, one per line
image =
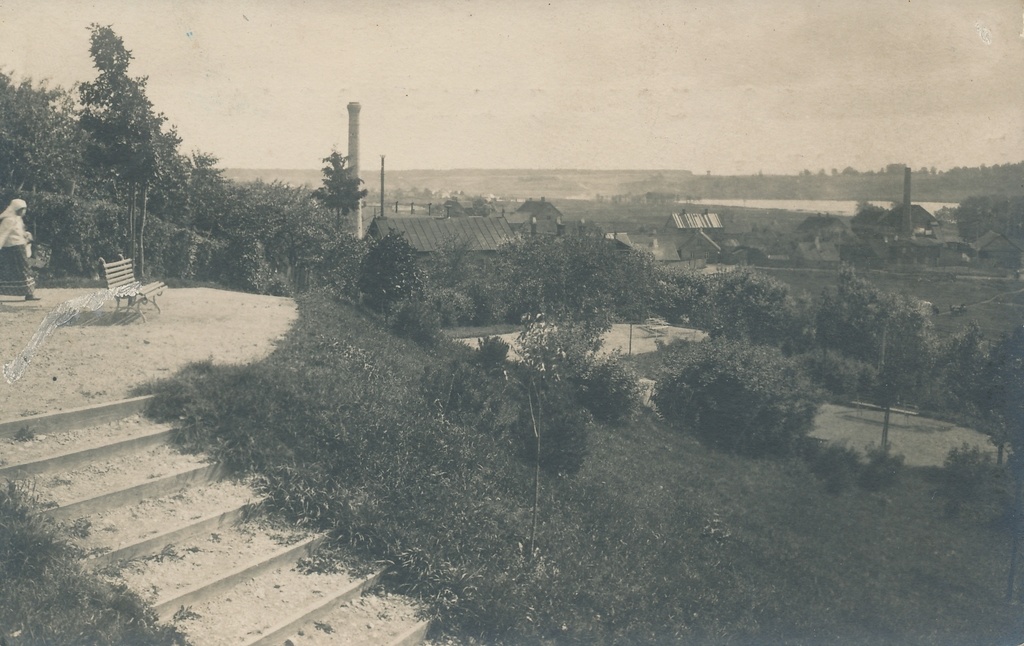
<point x="13" y="208"/>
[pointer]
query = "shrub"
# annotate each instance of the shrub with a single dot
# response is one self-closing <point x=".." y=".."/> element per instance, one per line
<point x="452" y="306"/>
<point x="839" y="466"/>
<point x="562" y="424"/>
<point x="739" y="397"/>
<point x="469" y="390"/>
<point x="416" y="321"/>
<point x="844" y="378"/>
<point x="970" y="478"/>
<point x="609" y="390"/>
<point x="389" y="273"/>
<point x="339" y="264"/>
<point x="486" y="301"/>
<point x="492" y="353"/>
<point x="882" y="469"/>
<point x="78" y="232"/>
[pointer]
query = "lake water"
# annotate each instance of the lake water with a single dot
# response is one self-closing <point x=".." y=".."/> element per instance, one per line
<point x="833" y="207"/>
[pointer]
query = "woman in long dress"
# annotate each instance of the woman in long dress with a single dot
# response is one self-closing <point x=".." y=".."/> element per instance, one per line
<point x="14" y="277"/>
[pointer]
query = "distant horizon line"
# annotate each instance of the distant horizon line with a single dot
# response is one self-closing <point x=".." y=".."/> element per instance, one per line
<point x="610" y="170"/>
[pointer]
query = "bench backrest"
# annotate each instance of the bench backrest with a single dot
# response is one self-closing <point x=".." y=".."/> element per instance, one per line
<point x="119" y="273"/>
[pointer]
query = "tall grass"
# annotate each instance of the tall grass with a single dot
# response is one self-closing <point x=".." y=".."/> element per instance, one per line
<point x="656" y="539"/>
<point x="47" y="598"/>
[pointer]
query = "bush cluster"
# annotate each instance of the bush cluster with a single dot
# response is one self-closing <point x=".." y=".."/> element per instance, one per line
<point x="739" y="397"/>
<point x="841" y="467"/>
<point x="970" y="480"/>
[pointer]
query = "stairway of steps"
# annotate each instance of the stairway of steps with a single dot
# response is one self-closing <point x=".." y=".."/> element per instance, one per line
<point x="191" y="541"/>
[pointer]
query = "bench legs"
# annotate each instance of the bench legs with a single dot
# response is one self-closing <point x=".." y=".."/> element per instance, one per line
<point x="136" y="302"/>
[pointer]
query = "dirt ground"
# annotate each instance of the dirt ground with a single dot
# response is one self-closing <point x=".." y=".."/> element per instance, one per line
<point x="922" y="441"/>
<point x="98" y="356"/>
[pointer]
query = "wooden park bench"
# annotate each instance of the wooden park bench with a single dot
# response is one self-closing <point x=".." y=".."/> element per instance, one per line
<point x="120" y="277"/>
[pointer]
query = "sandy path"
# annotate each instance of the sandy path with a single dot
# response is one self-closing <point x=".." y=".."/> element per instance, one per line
<point x="93" y="359"/>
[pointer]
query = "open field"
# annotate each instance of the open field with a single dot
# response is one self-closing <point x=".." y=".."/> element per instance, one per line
<point x="996" y="304"/>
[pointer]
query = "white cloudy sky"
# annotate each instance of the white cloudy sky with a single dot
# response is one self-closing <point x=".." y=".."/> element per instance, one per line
<point x="735" y="86"/>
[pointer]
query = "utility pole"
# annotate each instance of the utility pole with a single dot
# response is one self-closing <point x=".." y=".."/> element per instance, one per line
<point x="382" y="186"/>
<point x="881" y="373"/>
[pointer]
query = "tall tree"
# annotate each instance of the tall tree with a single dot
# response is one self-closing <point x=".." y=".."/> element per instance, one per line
<point x="891" y="331"/>
<point x="340" y="191"/>
<point x="127" y="141"/>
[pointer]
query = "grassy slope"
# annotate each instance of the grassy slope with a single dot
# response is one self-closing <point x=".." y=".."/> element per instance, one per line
<point x="657" y="539"/>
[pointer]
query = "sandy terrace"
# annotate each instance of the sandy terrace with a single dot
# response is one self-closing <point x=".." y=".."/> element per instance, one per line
<point x="98" y="356"/>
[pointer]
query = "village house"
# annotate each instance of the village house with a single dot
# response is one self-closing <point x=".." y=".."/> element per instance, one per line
<point x="994" y="250"/>
<point x="536" y="216"/>
<point x="816" y="254"/>
<point x="690" y="234"/>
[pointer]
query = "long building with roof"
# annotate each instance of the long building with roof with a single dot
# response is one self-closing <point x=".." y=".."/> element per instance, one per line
<point x="428" y="235"/>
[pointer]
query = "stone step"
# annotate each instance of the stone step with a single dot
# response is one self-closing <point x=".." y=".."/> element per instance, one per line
<point x="75" y="418"/>
<point x="198" y="565"/>
<point x="197" y="593"/>
<point x="187" y="540"/>
<point x="128" y="531"/>
<point x="263" y="604"/>
<point x="71" y="455"/>
<point x="155" y="488"/>
<point x="210" y="524"/>
<point x="367" y="620"/>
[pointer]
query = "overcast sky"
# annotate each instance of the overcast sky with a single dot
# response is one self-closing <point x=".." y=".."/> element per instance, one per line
<point x="732" y="87"/>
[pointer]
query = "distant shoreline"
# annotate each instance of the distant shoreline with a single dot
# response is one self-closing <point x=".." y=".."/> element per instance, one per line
<point x="668" y="186"/>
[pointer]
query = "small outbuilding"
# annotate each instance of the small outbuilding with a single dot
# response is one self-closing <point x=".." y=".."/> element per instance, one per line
<point x="997" y="251"/>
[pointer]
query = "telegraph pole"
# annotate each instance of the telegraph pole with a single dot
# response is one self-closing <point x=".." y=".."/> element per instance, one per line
<point x="382" y="186"/>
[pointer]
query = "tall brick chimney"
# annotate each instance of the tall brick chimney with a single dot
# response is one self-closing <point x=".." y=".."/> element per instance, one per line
<point x="908" y="221"/>
<point x="353" y="160"/>
<point x="353" y="137"/>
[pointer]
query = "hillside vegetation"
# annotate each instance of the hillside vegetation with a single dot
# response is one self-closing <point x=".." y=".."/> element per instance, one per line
<point x="656" y="537"/>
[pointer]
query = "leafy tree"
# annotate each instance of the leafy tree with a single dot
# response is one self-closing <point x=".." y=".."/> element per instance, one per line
<point x="979" y="214"/>
<point x="207" y="193"/>
<point x="41" y="145"/>
<point x="746" y="305"/>
<point x="888" y="330"/>
<point x="127" y="141"/>
<point x="968" y="373"/>
<point x="863" y="223"/>
<point x="578" y="275"/>
<point x="389" y="272"/>
<point x="739" y="397"/>
<point x="340" y="191"/>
